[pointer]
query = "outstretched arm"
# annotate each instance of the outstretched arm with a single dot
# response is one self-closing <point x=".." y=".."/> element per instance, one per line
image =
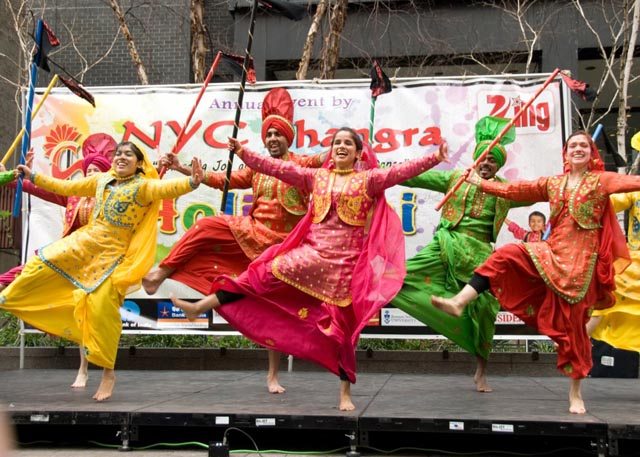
<point x="156" y="189"/>
<point x="521" y="191"/>
<point x="84" y="187"/>
<point x="381" y="179"/>
<point x="614" y="183"/>
<point x="284" y="170"/>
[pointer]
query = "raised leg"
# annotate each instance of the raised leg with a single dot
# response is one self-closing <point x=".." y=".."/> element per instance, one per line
<point x="152" y="281"/>
<point x="193" y="310"/>
<point x="83" y="372"/>
<point x="455" y="305"/>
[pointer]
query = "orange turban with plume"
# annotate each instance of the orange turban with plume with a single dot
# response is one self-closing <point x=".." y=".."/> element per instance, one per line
<point x="277" y="113"/>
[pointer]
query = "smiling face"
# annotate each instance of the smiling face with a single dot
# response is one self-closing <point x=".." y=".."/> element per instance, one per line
<point x="536" y="223"/>
<point x="344" y="150"/>
<point x="276" y="143"/>
<point x="578" y="152"/>
<point x="125" y="162"/>
<point x="488" y="168"/>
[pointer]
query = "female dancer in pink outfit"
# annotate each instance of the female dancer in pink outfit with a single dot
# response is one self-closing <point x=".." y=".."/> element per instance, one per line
<point x="311" y="295"/>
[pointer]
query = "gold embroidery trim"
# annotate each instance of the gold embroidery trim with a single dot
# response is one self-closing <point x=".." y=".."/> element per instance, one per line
<point x="276" y="272"/>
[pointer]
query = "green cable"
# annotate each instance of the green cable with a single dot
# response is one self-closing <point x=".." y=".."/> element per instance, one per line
<point x="279" y="451"/>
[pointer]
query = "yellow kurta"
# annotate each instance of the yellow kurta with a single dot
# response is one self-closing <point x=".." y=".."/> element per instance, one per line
<point x="620" y="324"/>
<point x="70" y="289"/>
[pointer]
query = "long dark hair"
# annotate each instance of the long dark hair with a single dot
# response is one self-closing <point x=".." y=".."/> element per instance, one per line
<point x="136" y="150"/>
<point x="354" y="135"/>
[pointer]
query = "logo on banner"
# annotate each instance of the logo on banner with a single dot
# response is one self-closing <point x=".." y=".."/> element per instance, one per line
<point x="537" y="119"/>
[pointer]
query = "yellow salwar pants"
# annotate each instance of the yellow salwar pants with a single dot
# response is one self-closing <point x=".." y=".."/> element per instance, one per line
<point x="620" y="324"/>
<point x="49" y="302"/>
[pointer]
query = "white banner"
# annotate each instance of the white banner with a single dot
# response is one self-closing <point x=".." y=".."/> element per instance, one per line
<point x="409" y="121"/>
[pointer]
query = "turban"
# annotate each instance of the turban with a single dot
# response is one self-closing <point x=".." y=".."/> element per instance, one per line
<point x="98" y="149"/>
<point x="277" y="113"/>
<point x="100" y="161"/>
<point x="487" y="129"/>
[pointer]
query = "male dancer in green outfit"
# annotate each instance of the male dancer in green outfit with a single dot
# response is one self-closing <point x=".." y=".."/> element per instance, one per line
<point x="470" y="222"/>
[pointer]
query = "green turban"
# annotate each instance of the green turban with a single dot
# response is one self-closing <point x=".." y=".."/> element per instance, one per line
<point x="487" y="129"/>
<point x="6" y="177"/>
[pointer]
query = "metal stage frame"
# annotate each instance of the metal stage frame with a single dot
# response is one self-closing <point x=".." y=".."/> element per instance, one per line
<point x="525" y="414"/>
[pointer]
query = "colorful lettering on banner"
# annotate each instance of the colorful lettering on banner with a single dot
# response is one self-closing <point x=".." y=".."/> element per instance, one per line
<point x="410" y="121"/>
<point x="538" y="117"/>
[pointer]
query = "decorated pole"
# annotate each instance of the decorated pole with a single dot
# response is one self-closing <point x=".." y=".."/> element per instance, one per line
<point x="380" y="84"/>
<point x="236" y="122"/>
<point x="497" y="139"/>
<point x="13" y="146"/>
<point x="212" y="70"/>
<point x="26" y="137"/>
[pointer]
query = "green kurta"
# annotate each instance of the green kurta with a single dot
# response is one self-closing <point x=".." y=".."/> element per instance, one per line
<point x="470" y="221"/>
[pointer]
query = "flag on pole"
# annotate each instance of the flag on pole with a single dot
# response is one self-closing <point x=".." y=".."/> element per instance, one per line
<point x="75" y="87"/>
<point x="380" y="83"/>
<point x="47" y="41"/>
<point x="579" y="87"/>
<point x="234" y="63"/>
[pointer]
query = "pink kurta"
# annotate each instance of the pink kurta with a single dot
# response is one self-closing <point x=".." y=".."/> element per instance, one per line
<point x="292" y="289"/>
<point x="320" y="266"/>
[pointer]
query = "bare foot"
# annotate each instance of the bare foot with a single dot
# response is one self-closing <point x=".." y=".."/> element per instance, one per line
<point x="105" y="389"/>
<point x="448" y="305"/>
<point x="274" y="386"/>
<point x="151" y="282"/>
<point x="81" y="380"/>
<point x="345" y="397"/>
<point x="482" y="385"/>
<point x="191" y="310"/>
<point x="346" y="405"/>
<point x="576" y="406"/>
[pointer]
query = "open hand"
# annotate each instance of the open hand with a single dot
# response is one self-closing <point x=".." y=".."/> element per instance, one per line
<point x="197" y="173"/>
<point x="443" y="152"/>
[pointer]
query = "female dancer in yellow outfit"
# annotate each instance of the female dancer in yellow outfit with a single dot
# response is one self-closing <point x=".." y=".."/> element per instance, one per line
<point x="74" y="287"/>
<point x="619" y="325"/>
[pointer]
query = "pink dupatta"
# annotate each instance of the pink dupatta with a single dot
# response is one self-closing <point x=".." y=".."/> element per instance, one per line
<point x="287" y="320"/>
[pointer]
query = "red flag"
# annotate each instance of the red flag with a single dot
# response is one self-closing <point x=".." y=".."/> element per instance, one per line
<point x="380" y="83"/>
<point x="235" y="63"/>
<point x="48" y="41"/>
<point x="579" y="87"/>
<point x="75" y="87"/>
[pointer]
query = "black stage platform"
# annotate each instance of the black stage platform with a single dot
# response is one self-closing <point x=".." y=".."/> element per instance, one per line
<point x="523" y="414"/>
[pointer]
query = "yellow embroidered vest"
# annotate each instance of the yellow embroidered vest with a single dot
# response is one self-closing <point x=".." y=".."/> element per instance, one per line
<point x="353" y="203"/>
<point x="586" y="204"/>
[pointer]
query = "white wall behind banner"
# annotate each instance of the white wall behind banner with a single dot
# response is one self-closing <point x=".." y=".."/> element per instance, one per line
<point x="409" y="121"/>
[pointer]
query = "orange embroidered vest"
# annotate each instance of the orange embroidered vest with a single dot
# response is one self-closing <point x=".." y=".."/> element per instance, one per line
<point x="586" y="203"/>
<point x="353" y="203"/>
<point x="79" y="208"/>
<point x="292" y="200"/>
